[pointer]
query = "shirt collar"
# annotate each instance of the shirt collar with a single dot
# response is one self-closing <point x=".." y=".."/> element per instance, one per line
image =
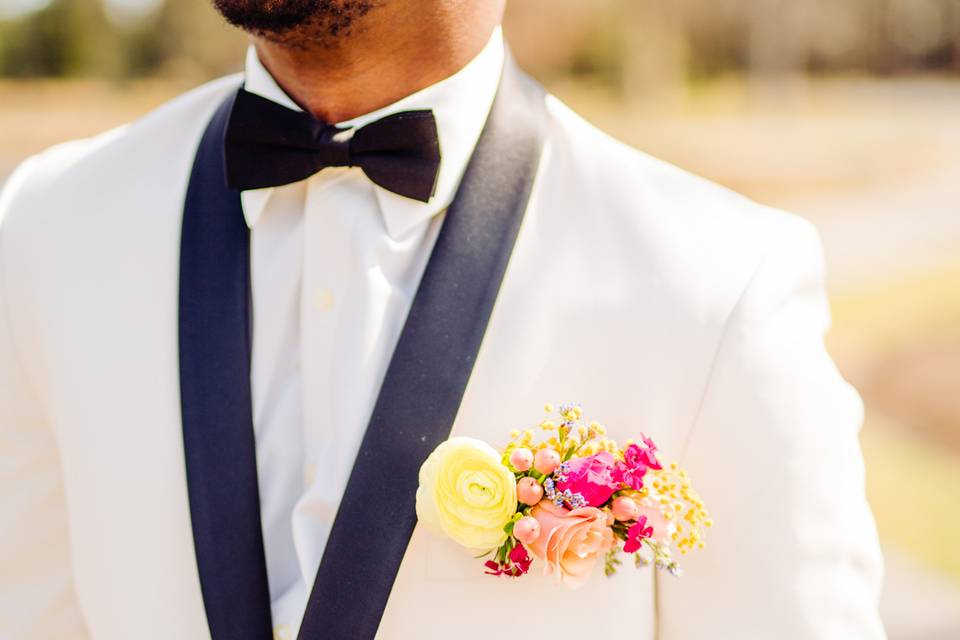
<point x="460" y="104"/>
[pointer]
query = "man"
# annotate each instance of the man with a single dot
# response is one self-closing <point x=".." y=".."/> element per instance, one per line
<point x="231" y="333"/>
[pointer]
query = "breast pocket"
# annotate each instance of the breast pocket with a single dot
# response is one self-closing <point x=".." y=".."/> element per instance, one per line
<point x="445" y="560"/>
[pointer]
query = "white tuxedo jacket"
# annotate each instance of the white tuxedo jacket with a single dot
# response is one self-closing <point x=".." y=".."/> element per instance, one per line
<point x="662" y="302"/>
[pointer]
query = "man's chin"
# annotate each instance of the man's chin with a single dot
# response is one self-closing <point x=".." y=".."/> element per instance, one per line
<point x="295" y="21"/>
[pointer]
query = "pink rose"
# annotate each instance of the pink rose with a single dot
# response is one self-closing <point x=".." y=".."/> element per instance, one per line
<point x="570" y="542"/>
<point x="595" y="478"/>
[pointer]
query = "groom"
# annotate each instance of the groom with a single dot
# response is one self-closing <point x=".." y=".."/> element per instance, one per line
<point x="231" y="332"/>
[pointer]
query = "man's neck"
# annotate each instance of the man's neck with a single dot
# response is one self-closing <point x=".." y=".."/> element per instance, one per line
<point x="390" y="54"/>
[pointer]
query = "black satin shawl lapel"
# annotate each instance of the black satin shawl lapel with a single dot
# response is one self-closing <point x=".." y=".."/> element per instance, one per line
<point x="218" y="437"/>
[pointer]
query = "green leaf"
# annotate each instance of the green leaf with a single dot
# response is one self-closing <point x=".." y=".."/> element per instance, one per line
<point x="611" y="561"/>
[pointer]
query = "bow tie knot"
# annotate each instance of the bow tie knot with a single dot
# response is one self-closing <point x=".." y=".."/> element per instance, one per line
<point x="268" y="145"/>
<point x="332" y="146"/>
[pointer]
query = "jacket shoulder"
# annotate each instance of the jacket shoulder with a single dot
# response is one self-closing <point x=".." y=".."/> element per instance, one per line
<point x="69" y="177"/>
<point x="706" y="241"/>
<point x="623" y="178"/>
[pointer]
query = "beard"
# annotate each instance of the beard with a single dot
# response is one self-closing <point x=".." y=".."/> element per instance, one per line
<point x="295" y="22"/>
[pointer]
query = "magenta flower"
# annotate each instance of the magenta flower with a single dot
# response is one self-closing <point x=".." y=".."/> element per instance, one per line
<point x="595" y="478"/>
<point x="636" y="460"/>
<point x="521" y="560"/>
<point x="518" y="563"/>
<point x="637" y="533"/>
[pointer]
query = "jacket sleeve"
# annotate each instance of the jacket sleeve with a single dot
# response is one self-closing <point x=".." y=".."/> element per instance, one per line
<point x="36" y="583"/>
<point x="774" y="452"/>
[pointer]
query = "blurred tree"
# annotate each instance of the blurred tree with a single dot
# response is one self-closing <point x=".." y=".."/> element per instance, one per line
<point x="67" y="37"/>
<point x="195" y="41"/>
<point x="632" y="45"/>
<point x="76" y="38"/>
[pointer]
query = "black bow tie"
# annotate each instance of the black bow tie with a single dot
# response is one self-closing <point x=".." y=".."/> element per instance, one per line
<point x="268" y="145"/>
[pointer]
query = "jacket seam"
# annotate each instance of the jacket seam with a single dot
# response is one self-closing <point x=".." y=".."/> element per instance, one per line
<point x="715" y="359"/>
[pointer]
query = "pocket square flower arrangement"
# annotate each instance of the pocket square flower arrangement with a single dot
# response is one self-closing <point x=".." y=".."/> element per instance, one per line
<point x="569" y="498"/>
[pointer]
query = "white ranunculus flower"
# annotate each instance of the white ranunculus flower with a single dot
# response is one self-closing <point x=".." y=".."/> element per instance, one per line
<point x="467" y="493"/>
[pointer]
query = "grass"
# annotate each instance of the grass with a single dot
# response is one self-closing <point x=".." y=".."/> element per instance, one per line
<point x="912" y="486"/>
<point x="882" y="317"/>
<point x="913" y="480"/>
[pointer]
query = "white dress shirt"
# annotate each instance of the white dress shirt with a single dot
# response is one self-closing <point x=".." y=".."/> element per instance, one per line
<point x="335" y="264"/>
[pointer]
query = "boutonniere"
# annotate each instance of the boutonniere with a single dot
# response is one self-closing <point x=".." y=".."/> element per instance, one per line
<point x="568" y="498"/>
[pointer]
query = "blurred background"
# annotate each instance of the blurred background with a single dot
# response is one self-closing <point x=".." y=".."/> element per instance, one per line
<point x="846" y="112"/>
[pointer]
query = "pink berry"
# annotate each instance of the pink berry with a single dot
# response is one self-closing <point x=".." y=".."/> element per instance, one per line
<point x="526" y="530"/>
<point x="609" y="517"/>
<point x="625" y="508"/>
<point x="546" y="461"/>
<point x="529" y="491"/>
<point x="521" y="459"/>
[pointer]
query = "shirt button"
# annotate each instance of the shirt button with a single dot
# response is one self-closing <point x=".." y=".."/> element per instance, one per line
<point x="323" y="300"/>
<point x="309" y="474"/>
<point x="282" y="632"/>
